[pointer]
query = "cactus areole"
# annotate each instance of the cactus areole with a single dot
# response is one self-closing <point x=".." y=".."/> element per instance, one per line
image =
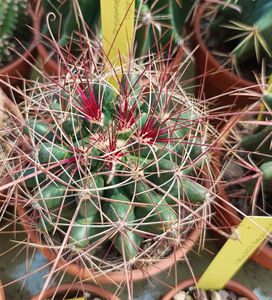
<point x="114" y="171"/>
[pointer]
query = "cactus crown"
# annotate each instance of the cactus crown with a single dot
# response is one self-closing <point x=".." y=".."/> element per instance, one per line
<point x="248" y="24"/>
<point x="114" y="169"/>
<point x="12" y="19"/>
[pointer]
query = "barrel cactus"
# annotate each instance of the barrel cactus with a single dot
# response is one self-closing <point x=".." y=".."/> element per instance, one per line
<point x="159" y="23"/>
<point x="12" y="20"/>
<point x="113" y="174"/>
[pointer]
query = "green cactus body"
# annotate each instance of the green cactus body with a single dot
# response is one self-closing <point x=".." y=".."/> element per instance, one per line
<point x="83" y="231"/>
<point x="52" y="195"/>
<point x="51" y="153"/>
<point x="34" y="180"/>
<point x="87" y="207"/>
<point x="12" y="20"/>
<point x="259" y="142"/>
<point x="51" y="219"/>
<point x="39" y="130"/>
<point x="68" y="175"/>
<point x="157" y="214"/>
<point x="266" y="169"/>
<point x="125" y="238"/>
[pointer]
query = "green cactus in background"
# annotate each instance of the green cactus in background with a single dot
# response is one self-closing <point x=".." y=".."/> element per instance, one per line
<point x="115" y="170"/>
<point x="250" y="27"/>
<point x="12" y="20"/>
<point x="158" y="21"/>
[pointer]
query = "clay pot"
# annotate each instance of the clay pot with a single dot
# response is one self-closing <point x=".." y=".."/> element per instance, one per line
<point x="110" y="277"/>
<point x="226" y="216"/>
<point x="219" y="83"/>
<point x="77" y="287"/>
<point x="234" y="286"/>
<point x="2" y="294"/>
<point x="20" y="68"/>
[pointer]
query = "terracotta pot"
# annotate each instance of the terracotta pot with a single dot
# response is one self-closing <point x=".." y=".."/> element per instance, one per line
<point x="6" y="105"/>
<point x="216" y="79"/>
<point x="77" y="287"/>
<point x="110" y="277"/>
<point x="20" y="68"/>
<point x="234" y="286"/>
<point x="2" y="293"/>
<point x="226" y="216"/>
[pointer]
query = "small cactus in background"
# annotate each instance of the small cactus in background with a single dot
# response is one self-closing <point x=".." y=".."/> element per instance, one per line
<point x="12" y="20"/>
<point x="114" y="170"/>
<point x="159" y="21"/>
<point x="248" y="26"/>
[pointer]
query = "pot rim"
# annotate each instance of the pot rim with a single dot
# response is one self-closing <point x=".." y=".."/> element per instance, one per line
<point x="99" y="291"/>
<point x="234" y="286"/>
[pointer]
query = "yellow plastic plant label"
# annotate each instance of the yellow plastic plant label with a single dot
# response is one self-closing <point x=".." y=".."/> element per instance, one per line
<point x="117" y="20"/>
<point x="250" y="234"/>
